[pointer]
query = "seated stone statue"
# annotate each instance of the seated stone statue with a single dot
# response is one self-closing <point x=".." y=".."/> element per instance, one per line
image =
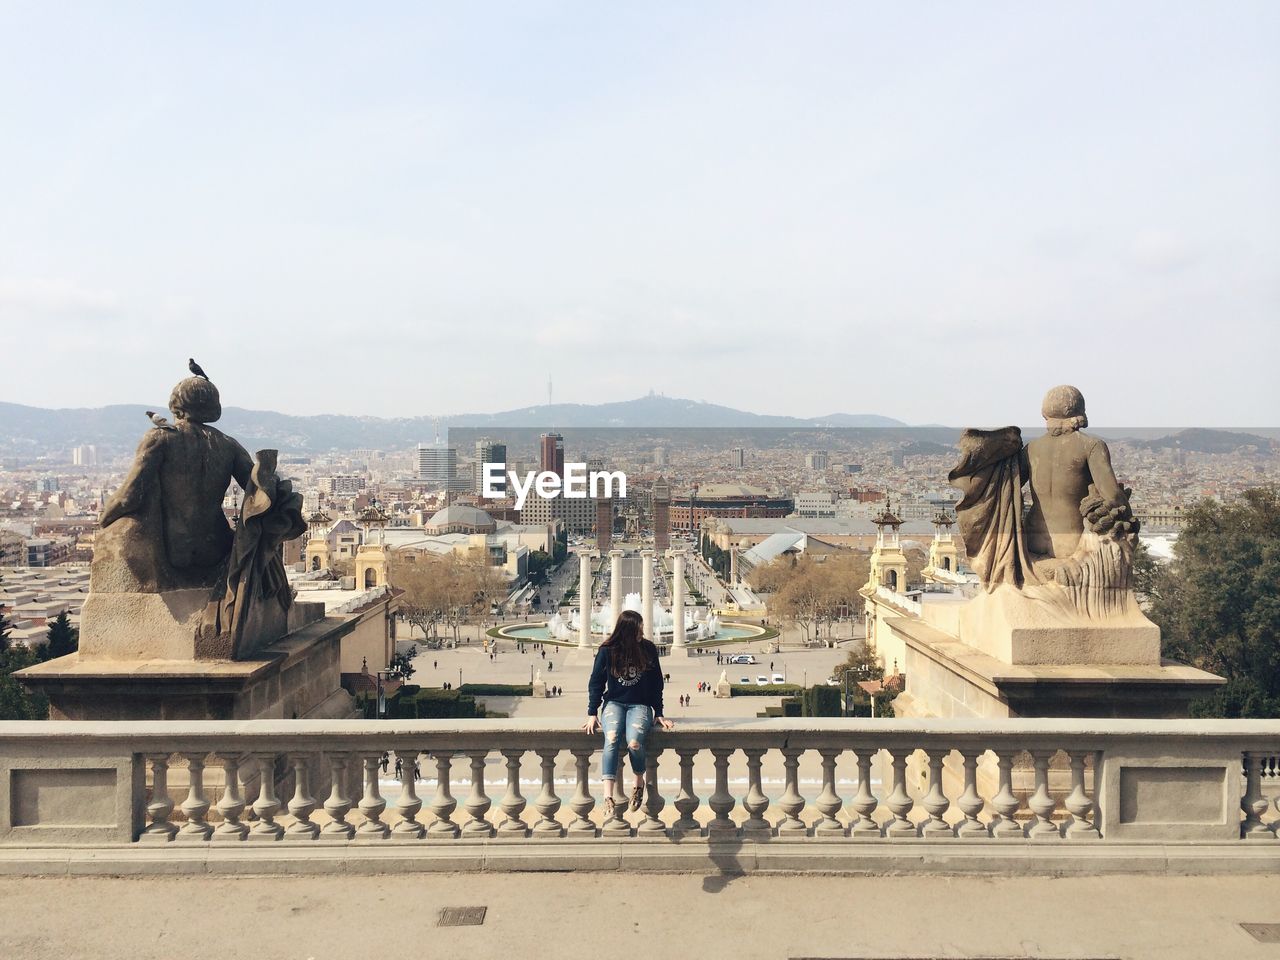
<point x="170" y="579"/>
<point x="164" y="529"/>
<point x="1072" y="547"/>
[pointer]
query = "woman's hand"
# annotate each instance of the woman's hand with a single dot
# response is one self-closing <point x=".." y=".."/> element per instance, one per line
<point x="665" y="724"/>
<point x="592" y="725"/>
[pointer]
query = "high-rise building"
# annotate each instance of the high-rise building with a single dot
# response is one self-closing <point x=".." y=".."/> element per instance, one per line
<point x="661" y="514"/>
<point x="85" y="455"/>
<point x="738" y="458"/>
<point x="551" y="454"/>
<point x="659" y="456"/>
<point x="438" y="463"/>
<point x="604" y="524"/>
<point x="818" y="460"/>
<point x="489" y="451"/>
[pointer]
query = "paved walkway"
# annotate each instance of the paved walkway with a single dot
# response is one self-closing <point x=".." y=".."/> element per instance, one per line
<point x="569" y="916"/>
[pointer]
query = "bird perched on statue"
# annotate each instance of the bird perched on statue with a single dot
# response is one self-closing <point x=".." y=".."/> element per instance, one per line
<point x="161" y="423"/>
<point x="196" y="368"/>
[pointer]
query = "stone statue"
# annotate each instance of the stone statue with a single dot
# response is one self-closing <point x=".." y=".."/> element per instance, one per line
<point x="1072" y="547"/>
<point x="164" y="528"/>
<point x="170" y="579"/>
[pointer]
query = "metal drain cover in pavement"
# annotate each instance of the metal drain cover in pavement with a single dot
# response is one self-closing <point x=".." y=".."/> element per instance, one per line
<point x="461" y="917"/>
<point x="1263" y="932"/>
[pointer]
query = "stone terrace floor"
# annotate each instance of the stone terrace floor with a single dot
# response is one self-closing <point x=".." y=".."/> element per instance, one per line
<point x="677" y="916"/>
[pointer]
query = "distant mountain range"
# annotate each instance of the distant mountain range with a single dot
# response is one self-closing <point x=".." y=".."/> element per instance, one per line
<point x="1199" y="440"/>
<point x="36" y="430"/>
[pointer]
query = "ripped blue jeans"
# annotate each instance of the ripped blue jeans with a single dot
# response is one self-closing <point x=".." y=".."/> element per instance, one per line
<point x="633" y="718"/>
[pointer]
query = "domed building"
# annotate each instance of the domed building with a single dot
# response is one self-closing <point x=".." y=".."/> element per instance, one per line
<point x="459" y="518"/>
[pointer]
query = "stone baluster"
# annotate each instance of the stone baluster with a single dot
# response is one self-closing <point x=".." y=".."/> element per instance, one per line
<point x="268" y="804"/>
<point x="196" y="806"/>
<point x="161" y="829"/>
<point x="582" y="802"/>
<point x="935" y="801"/>
<point x="828" y="802"/>
<point x="301" y="804"/>
<point x="547" y="803"/>
<point x="478" y="801"/>
<point x="1078" y="803"/>
<point x="686" y="802"/>
<point x="970" y="801"/>
<point x="1005" y="803"/>
<point x="899" y="801"/>
<point x="721" y="800"/>
<point x="442" y="803"/>
<point x="1041" y="801"/>
<point x="864" y="802"/>
<point x="372" y="804"/>
<point x="652" y="825"/>
<point x="337" y="805"/>
<point x="791" y="803"/>
<point x="408" y="803"/>
<point x="617" y="825"/>
<point x="232" y="804"/>
<point x="1254" y="803"/>
<point x="755" y="803"/>
<point x="512" y="802"/>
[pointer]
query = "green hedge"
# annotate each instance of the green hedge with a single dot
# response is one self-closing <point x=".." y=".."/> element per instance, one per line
<point x="497" y="689"/>
<point x="432" y="703"/>
<point x="772" y="690"/>
<point x="822" y="701"/>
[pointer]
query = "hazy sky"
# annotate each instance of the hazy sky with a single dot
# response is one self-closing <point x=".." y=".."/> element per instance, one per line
<point x="932" y="211"/>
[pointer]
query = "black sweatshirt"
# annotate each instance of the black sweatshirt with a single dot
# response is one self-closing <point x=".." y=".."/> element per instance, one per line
<point x="645" y="687"/>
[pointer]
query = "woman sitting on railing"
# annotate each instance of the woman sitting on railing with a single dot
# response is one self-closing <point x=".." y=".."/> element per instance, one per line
<point x="627" y="678"/>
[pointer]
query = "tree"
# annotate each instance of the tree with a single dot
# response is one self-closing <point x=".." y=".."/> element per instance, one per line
<point x="811" y="592"/>
<point x="1218" y="602"/>
<point x="539" y="563"/>
<point x="63" y="637"/>
<point x="449" y="590"/>
<point x="16" y="703"/>
<point x="861" y="664"/>
<point x="402" y="664"/>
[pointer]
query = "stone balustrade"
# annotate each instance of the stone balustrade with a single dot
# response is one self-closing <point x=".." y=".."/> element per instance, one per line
<point x="786" y="794"/>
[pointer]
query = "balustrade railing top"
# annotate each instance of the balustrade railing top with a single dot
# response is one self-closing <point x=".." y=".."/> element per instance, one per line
<point x="1130" y="781"/>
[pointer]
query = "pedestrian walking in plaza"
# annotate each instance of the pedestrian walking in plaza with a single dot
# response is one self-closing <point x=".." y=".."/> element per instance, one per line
<point x="626" y="679"/>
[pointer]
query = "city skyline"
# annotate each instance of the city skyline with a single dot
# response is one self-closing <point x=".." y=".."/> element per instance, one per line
<point x="834" y="209"/>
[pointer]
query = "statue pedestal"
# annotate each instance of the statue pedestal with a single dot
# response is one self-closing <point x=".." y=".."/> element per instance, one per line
<point x="948" y="678"/>
<point x="539" y="688"/>
<point x="298" y="676"/>
<point x="1014" y="627"/>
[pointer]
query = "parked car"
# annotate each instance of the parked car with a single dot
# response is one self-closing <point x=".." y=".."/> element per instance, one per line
<point x="762" y="681"/>
<point x="779" y="678"/>
<point x="742" y="658"/>
<point x="744" y="680"/>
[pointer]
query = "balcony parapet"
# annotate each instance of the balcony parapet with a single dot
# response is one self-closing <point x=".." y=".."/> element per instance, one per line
<point x="1039" y="796"/>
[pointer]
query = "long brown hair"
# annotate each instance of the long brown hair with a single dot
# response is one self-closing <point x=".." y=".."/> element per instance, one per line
<point x="629" y="651"/>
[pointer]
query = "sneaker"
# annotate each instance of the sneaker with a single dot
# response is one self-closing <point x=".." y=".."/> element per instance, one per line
<point x="636" y="796"/>
<point x="608" y="808"/>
